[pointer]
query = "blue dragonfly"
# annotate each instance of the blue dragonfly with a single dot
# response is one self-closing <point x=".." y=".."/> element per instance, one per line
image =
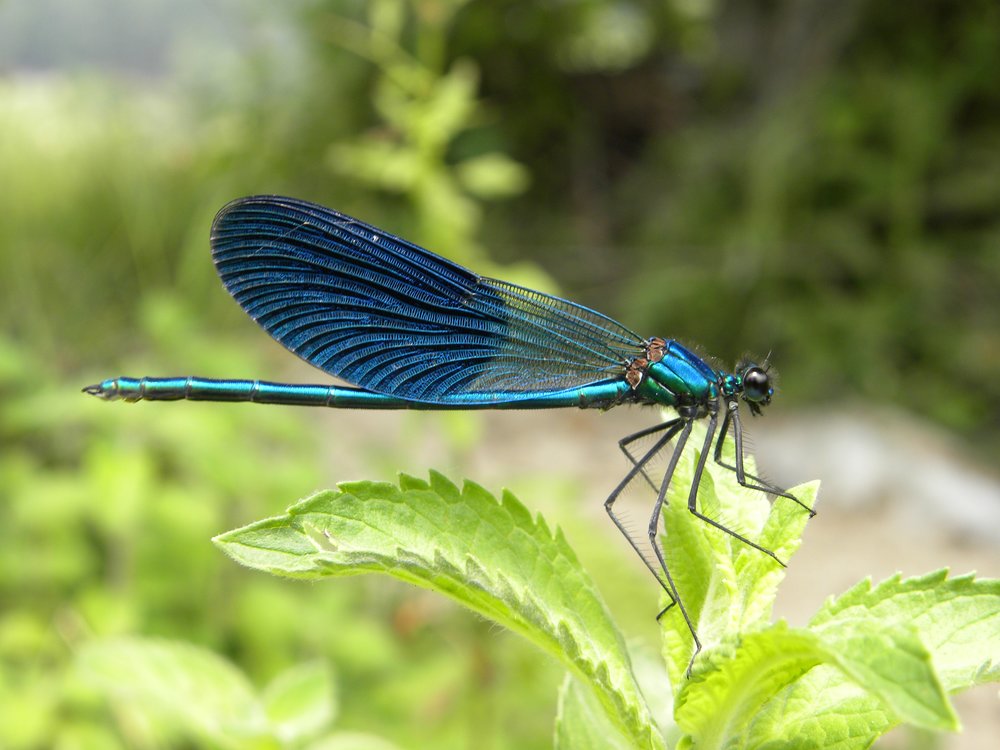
<point x="415" y="331"/>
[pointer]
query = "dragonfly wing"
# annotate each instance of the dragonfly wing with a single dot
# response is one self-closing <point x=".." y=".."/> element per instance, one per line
<point x="391" y="317"/>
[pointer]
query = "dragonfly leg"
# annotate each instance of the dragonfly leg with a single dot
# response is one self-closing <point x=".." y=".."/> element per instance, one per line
<point x="638" y="467"/>
<point x="624" y="443"/>
<point x="654" y="528"/>
<point x="693" y="494"/>
<point x="746" y="479"/>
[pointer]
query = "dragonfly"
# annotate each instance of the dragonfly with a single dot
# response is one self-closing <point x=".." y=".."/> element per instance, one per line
<point x="412" y="330"/>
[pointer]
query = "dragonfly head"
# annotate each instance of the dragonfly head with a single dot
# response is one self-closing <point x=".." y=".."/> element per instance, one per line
<point x="756" y="385"/>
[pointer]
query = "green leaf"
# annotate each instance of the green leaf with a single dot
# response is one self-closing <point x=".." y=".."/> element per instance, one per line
<point x="957" y="622"/>
<point x="727" y="586"/>
<point x="715" y="706"/>
<point x="300" y="702"/>
<point x="448" y="109"/>
<point x="890" y="662"/>
<point x="733" y="688"/>
<point x="489" y="556"/>
<point x="824" y="710"/>
<point x="651" y="674"/>
<point x="386" y="18"/>
<point x="182" y="688"/>
<point x="958" y="619"/>
<point x="492" y="176"/>
<point x="351" y="741"/>
<point x="385" y="165"/>
<point x="580" y="722"/>
<point x="874" y="643"/>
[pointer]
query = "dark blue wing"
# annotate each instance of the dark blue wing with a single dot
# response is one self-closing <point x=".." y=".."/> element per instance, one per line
<point x="393" y="318"/>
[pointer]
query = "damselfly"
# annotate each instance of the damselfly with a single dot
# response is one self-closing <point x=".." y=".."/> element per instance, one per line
<point x="415" y="331"/>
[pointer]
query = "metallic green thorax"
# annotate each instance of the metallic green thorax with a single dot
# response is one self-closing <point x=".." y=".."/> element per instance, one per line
<point x="679" y="378"/>
<point x="671" y="375"/>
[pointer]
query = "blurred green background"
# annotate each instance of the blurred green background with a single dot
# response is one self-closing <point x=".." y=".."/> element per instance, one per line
<point x="819" y="180"/>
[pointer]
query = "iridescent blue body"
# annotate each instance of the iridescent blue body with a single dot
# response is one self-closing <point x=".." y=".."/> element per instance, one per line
<point x="339" y="397"/>
<point x="679" y="379"/>
<point x="412" y="330"/>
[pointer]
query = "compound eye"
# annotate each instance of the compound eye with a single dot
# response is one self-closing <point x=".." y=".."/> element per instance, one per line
<point x="756" y="385"/>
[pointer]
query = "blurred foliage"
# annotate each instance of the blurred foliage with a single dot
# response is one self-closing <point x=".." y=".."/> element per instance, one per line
<point x="424" y="108"/>
<point x="813" y="179"/>
<point x="817" y="178"/>
<point x="104" y="531"/>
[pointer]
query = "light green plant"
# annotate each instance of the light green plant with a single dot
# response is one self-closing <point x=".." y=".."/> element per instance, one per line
<point x="171" y="690"/>
<point x="877" y="656"/>
<point x="424" y="105"/>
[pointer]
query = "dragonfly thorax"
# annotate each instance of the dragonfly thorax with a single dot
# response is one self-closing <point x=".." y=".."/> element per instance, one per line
<point x="672" y="375"/>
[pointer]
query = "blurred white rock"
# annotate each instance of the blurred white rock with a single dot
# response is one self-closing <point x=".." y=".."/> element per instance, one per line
<point x="868" y="456"/>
